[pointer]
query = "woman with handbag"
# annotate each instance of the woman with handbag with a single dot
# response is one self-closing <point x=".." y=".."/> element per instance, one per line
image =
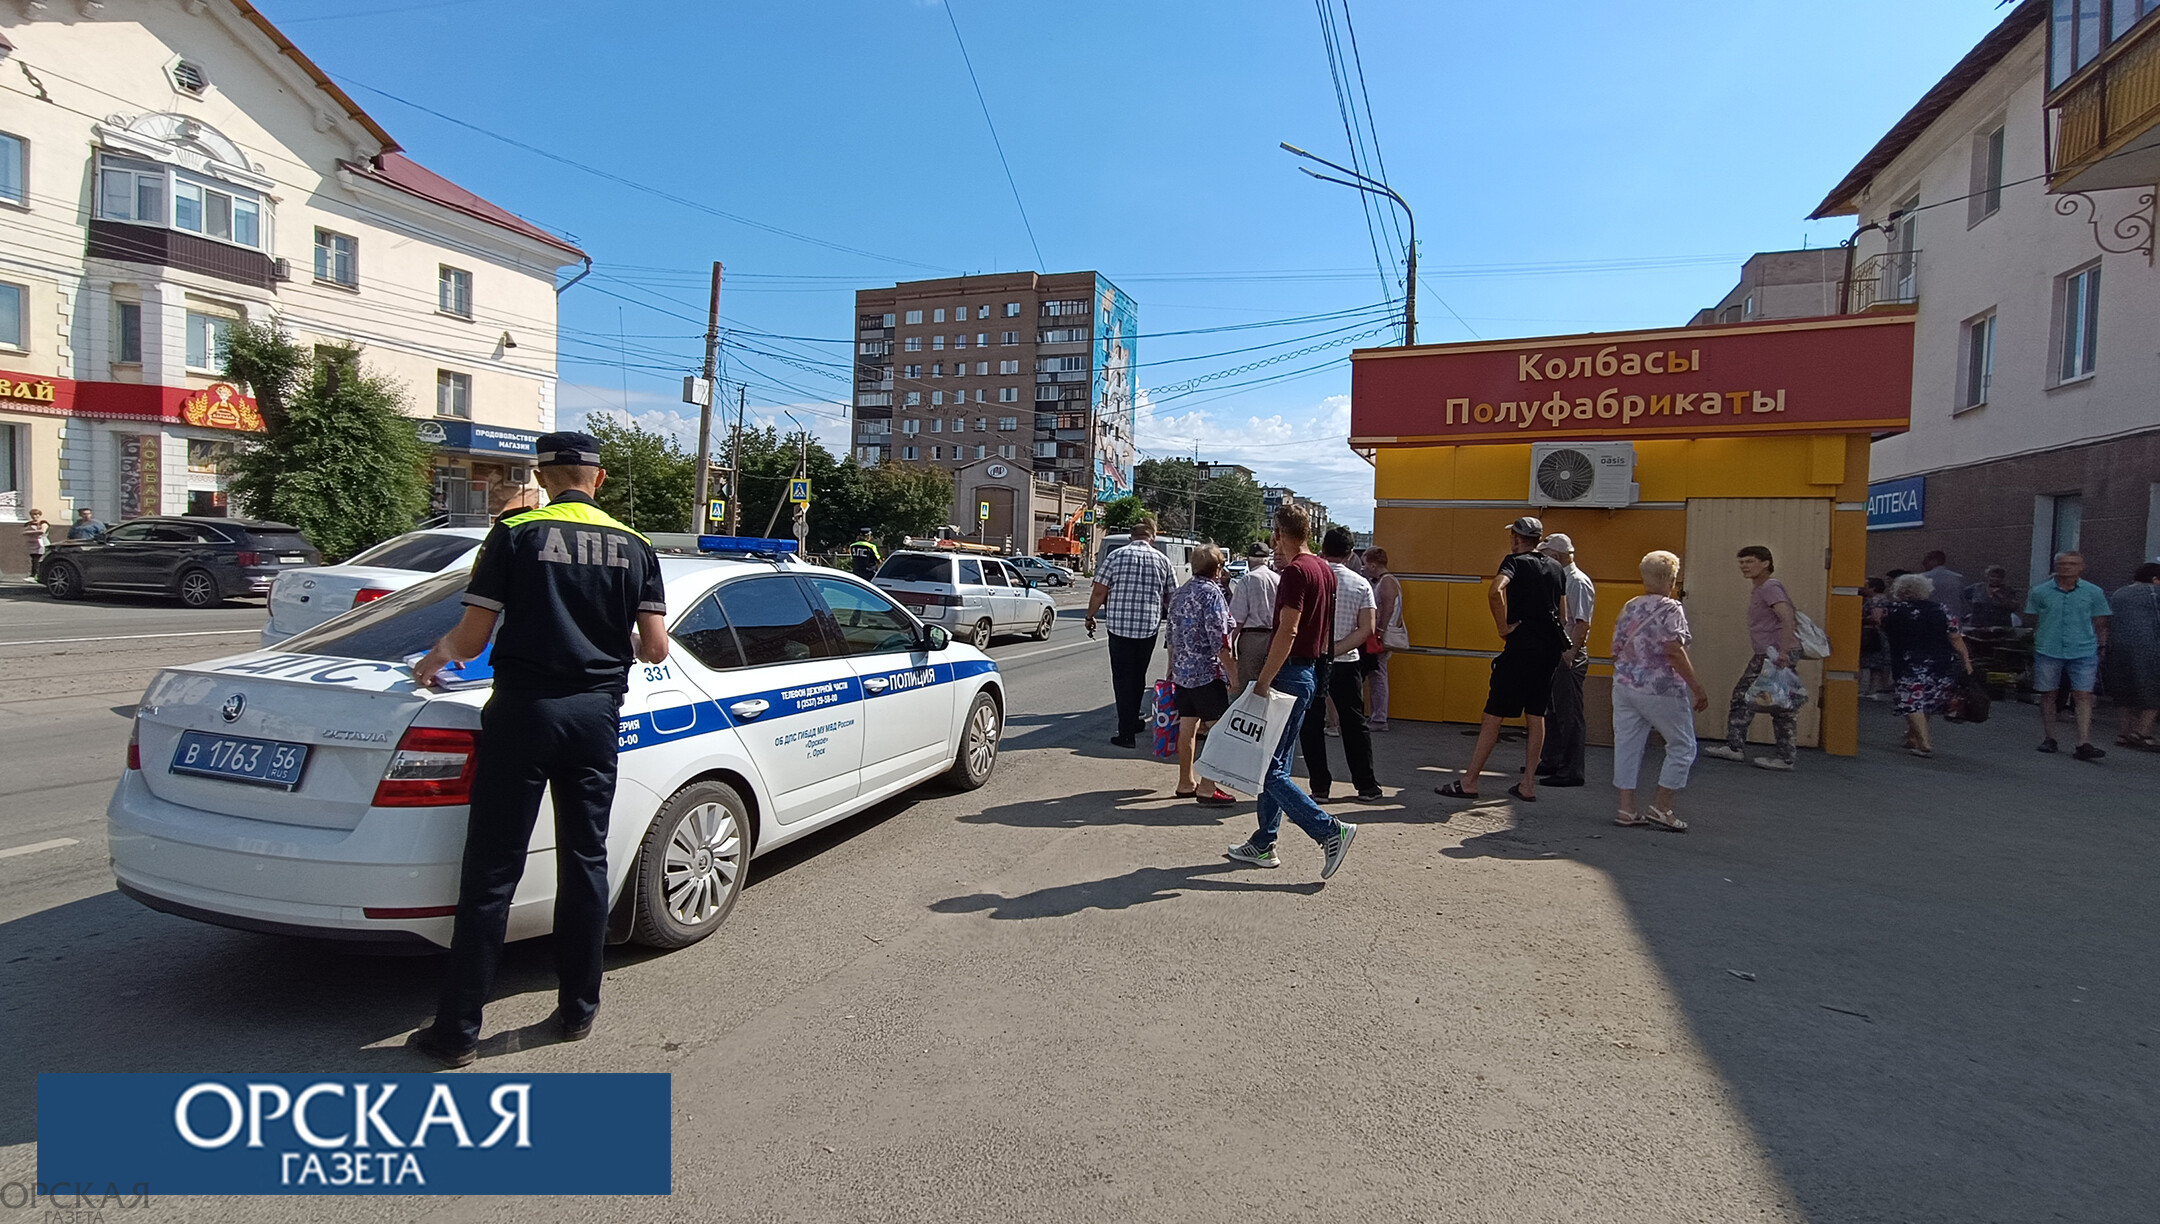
<point x="1927" y="654"/>
<point x="1393" y="636"/>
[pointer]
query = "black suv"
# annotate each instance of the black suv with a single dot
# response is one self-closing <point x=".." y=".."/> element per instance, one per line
<point x="200" y="561"/>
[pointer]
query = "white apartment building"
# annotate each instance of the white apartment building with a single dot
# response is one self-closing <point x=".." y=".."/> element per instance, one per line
<point x="170" y="167"/>
<point x="2036" y="371"/>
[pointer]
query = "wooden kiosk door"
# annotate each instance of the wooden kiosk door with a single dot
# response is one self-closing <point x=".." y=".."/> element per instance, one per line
<point x="1797" y="533"/>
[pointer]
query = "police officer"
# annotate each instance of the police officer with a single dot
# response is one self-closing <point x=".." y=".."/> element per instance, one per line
<point x="569" y="585"/>
<point x="866" y="556"/>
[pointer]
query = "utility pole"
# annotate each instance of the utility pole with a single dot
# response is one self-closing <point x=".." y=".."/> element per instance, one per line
<point x="1373" y="186"/>
<point x="734" y="476"/>
<point x="698" y="512"/>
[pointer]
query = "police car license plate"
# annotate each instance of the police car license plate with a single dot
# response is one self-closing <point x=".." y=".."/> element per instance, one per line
<point x="256" y="761"/>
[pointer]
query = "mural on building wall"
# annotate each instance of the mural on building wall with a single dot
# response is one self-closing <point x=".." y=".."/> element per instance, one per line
<point x="1117" y="325"/>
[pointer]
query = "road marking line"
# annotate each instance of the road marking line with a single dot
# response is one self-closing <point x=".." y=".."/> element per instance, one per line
<point x="132" y="637"/>
<point x="34" y="847"/>
<point x="1032" y="654"/>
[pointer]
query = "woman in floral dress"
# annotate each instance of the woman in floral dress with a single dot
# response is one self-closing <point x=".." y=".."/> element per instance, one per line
<point x="1926" y="654"/>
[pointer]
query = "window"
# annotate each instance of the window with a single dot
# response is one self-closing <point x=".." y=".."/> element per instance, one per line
<point x="937" y="343"/>
<point x="210" y="458"/>
<point x="131" y="191"/>
<point x="227" y="214"/>
<point x="971" y="571"/>
<point x="453" y="291"/>
<point x="909" y="452"/>
<point x="2078" y="338"/>
<point x="1062" y="335"/>
<point x="1008" y="452"/>
<point x="982" y="424"/>
<point x="1008" y="337"/>
<point x="914" y="399"/>
<point x="868" y="622"/>
<point x="937" y="369"/>
<point x="911" y="427"/>
<point x="2069" y="523"/>
<point x="982" y="339"/>
<point x="982" y="367"/>
<point x="1008" y="395"/>
<point x="1008" y="424"/>
<point x="983" y="311"/>
<point x="12" y="331"/>
<point x="453" y="394"/>
<point x="127" y="341"/>
<point x="959" y="425"/>
<point x="1046" y="450"/>
<point x="938" y="315"/>
<point x="1008" y="367"/>
<point x="982" y="452"/>
<point x="937" y="452"/>
<point x="937" y="399"/>
<point x="937" y="425"/>
<point x="1985" y="197"/>
<point x="704" y="632"/>
<point x="960" y="341"/>
<point x="1977" y="369"/>
<point x="208" y="336"/>
<point x="337" y="258"/>
<point x="773" y="620"/>
<point x="911" y="371"/>
<point x="2082" y="28"/>
<point x="429" y="552"/>
<point x="1059" y="309"/>
<point x="1012" y="311"/>
<point x="189" y="78"/>
<point x="913" y="344"/>
<point x="14" y="175"/>
<point x="914" y="316"/>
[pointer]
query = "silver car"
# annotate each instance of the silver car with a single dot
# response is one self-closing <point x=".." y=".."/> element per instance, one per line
<point x="1045" y="573"/>
<point x="974" y="598"/>
<point x="304" y="598"/>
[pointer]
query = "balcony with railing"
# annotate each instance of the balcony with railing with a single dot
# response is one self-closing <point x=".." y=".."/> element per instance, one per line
<point x="1891" y="279"/>
<point x="2103" y="94"/>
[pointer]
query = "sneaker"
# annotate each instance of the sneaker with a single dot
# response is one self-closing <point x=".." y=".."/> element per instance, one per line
<point x="1258" y="856"/>
<point x="2048" y="744"/>
<point x="1371" y="796"/>
<point x="2086" y="752"/>
<point x="572" y="1030"/>
<point x="1335" y="731"/>
<point x="1337" y="848"/>
<point x="1123" y="741"/>
<point x="1723" y="752"/>
<point x="1773" y="764"/>
<point x="1318" y="796"/>
<point x="427" y="1042"/>
<point x="1375" y="726"/>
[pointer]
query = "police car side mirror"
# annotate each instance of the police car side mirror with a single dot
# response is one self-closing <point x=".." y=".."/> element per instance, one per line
<point x="935" y="638"/>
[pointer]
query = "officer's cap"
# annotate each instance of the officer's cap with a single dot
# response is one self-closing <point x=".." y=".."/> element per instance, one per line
<point x="567" y="449"/>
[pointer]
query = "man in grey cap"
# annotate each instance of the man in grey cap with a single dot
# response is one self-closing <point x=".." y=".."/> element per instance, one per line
<point x="1252" y="610"/>
<point x="1525" y="598"/>
<point x="1567" y="731"/>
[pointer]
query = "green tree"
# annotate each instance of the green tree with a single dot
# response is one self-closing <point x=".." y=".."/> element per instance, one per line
<point x="1166" y="487"/>
<point x="1232" y="511"/>
<point x="339" y="458"/>
<point x="907" y="499"/>
<point x="837" y="504"/>
<point x="651" y="477"/>
<point x="1122" y="513"/>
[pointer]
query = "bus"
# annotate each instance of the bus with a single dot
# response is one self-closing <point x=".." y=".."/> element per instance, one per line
<point x="1177" y="548"/>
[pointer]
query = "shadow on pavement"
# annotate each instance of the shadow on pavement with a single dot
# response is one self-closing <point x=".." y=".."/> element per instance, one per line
<point x="1137" y="887"/>
<point x="1948" y="1013"/>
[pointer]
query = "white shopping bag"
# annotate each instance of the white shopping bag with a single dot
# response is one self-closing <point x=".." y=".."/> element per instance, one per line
<point x="1243" y="742"/>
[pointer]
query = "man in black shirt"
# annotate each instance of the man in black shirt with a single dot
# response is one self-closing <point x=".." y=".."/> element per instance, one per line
<point x="569" y="586"/>
<point x="1525" y="598"/>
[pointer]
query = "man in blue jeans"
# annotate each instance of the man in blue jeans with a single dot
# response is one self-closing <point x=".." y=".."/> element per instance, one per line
<point x="1304" y="624"/>
<point x="2072" y="631"/>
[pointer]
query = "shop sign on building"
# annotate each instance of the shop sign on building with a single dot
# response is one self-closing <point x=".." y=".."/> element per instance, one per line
<point x="478" y="439"/>
<point x="1838" y="375"/>
<point x="221" y="406"/>
<point x="1897" y="503"/>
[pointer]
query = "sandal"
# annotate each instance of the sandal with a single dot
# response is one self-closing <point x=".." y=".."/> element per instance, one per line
<point x="1629" y="820"/>
<point x="1920" y="752"/>
<point x="1454" y="790"/>
<point x="1218" y="797"/>
<point x="1665" y="820"/>
<point x="1515" y="789"/>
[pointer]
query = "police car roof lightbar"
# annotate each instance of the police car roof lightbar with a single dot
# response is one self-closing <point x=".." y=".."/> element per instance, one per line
<point x="744" y="544"/>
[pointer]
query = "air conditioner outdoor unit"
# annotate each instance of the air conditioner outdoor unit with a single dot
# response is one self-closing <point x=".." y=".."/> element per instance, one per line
<point x="1600" y="474"/>
<point x="519" y="474"/>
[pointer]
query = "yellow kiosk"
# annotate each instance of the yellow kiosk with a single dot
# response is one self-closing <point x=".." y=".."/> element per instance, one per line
<point x="1699" y="440"/>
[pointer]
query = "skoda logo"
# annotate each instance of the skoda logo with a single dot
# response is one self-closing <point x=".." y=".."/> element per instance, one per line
<point x="233" y="706"/>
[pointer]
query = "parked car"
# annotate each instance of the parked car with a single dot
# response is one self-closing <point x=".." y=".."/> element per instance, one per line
<point x="304" y="598"/>
<point x="311" y="789"/>
<point x="199" y="561"/>
<point x="976" y="598"/>
<point x="1045" y="573"/>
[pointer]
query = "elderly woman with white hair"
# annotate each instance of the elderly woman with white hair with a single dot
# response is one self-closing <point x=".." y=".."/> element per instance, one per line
<point x="1654" y="686"/>
<point x="1926" y="651"/>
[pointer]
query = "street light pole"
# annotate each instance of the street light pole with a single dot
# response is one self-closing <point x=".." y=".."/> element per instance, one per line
<point x="1373" y="186"/>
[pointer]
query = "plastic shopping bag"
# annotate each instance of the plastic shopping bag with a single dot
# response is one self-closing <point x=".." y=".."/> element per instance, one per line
<point x="1777" y="688"/>
<point x="1166" y="720"/>
<point x="1243" y="742"/>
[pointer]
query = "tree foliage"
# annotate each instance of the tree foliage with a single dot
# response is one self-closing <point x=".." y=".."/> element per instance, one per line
<point x="1122" y="513"/>
<point x="651" y="477"/>
<point x="907" y="499"/>
<point x="1227" y="509"/>
<point x="339" y="460"/>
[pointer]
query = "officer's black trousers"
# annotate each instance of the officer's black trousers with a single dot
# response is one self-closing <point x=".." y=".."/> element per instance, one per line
<point x="527" y="743"/>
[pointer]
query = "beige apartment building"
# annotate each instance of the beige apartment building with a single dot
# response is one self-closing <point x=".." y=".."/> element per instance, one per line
<point x="1020" y="383"/>
<point x="170" y="168"/>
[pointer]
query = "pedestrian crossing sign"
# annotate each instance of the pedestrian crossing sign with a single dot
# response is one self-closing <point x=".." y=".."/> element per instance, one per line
<point x="716" y="510"/>
<point x="799" y="492"/>
<point x="982" y="510"/>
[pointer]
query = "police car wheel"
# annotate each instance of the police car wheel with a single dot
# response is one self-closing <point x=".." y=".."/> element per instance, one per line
<point x="1049" y="618"/>
<point x="198" y="589"/>
<point x="978" y="744"/>
<point x="63" y="580"/>
<point x="980" y="639"/>
<point x="690" y="868"/>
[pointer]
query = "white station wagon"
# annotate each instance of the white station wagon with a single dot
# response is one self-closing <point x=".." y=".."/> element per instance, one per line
<point x="314" y="790"/>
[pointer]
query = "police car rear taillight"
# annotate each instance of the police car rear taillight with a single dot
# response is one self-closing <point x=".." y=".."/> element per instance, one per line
<point x="432" y="767"/>
<point x="368" y="595"/>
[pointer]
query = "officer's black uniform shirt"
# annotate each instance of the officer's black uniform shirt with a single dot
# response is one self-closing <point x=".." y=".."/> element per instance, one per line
<point x="569" y="582"/>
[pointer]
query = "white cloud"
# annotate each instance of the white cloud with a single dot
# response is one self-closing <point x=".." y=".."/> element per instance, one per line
<point x="661" y="413"/>
<point x="1309" y="452"/>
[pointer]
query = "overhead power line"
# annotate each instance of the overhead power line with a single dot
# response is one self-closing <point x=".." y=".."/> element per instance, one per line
<point x="992" y="125"/>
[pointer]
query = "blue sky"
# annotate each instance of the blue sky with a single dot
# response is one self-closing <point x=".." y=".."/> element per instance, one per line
<point x="1576" y="166"/>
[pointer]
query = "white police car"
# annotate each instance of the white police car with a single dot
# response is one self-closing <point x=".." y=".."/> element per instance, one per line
<point x="312" y="790"/>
